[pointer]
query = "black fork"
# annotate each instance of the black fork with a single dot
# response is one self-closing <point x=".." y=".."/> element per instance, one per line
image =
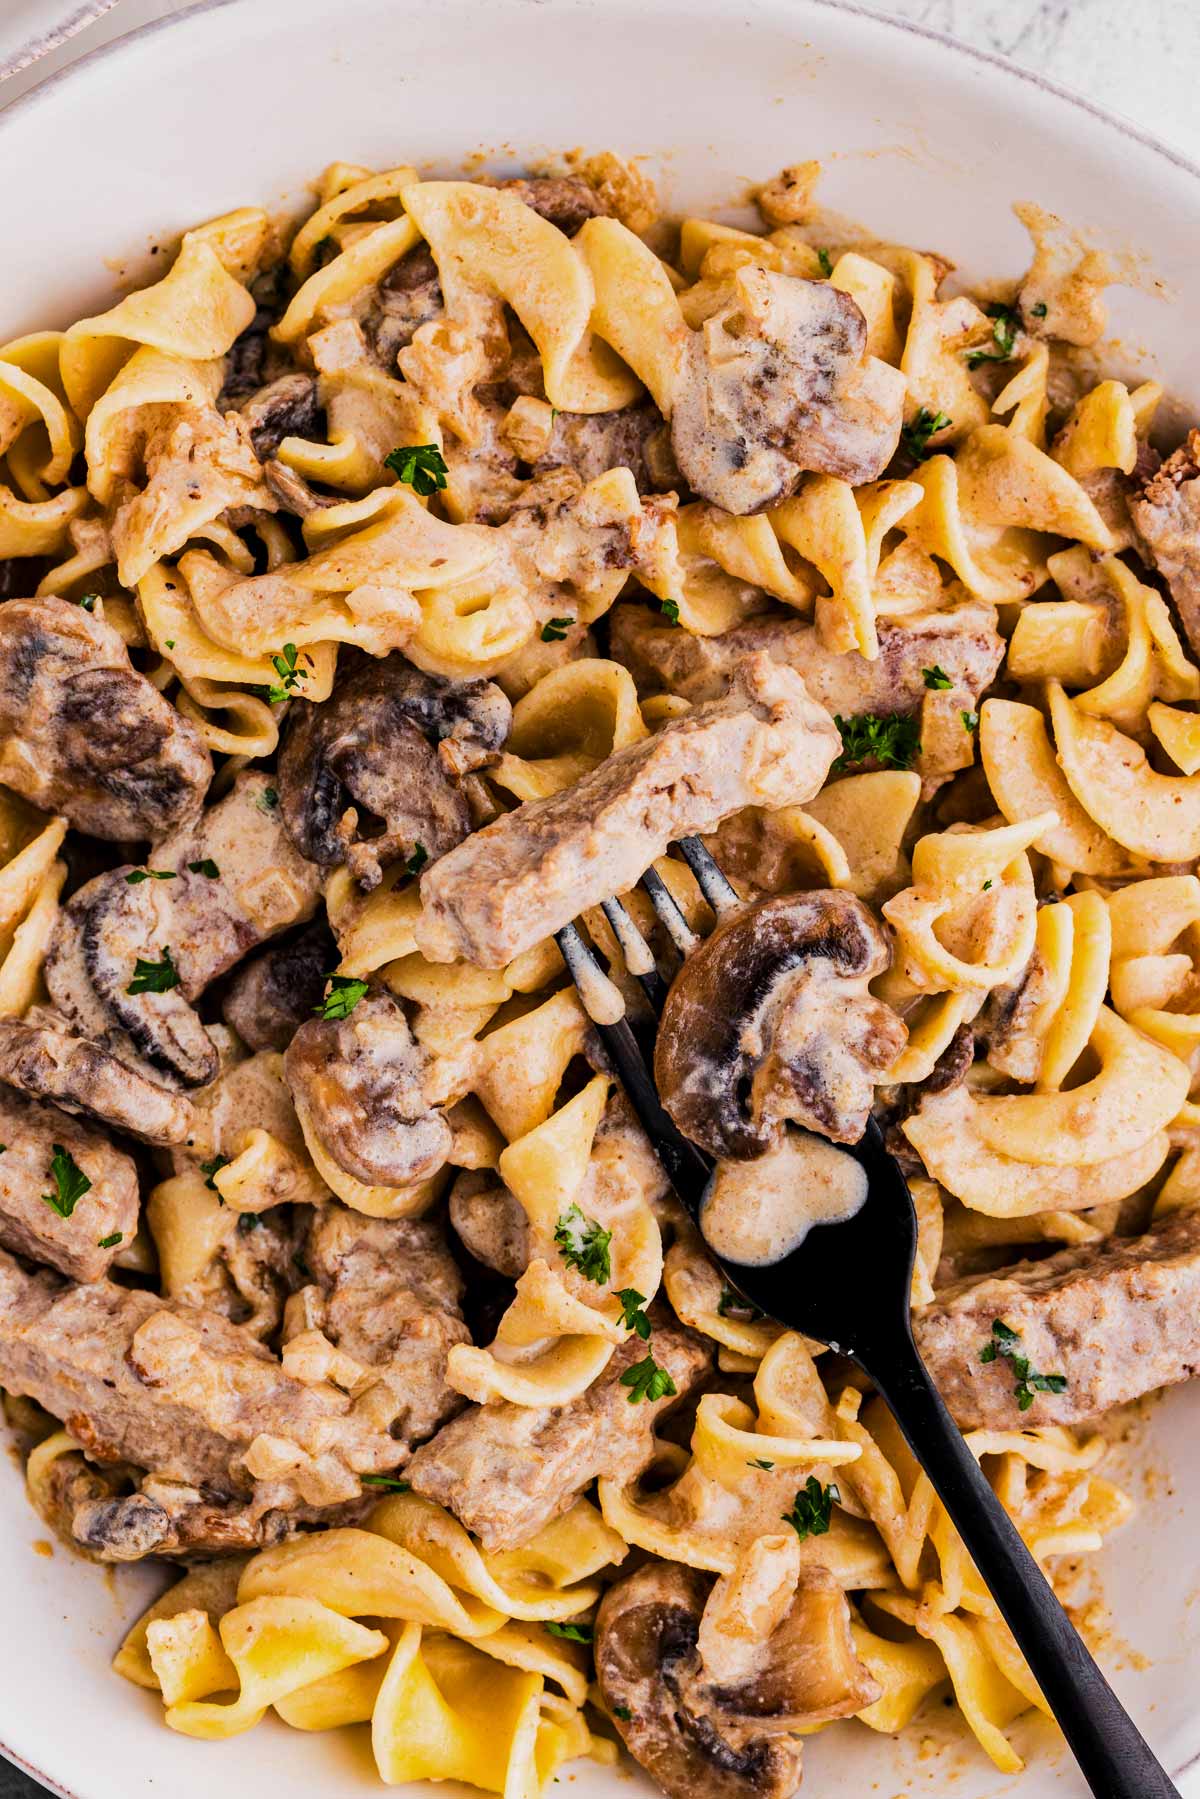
<point x="848" y="1286"/>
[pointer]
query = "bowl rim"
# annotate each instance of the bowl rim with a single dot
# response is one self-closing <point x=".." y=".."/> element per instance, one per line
<point x="959" y="50"/>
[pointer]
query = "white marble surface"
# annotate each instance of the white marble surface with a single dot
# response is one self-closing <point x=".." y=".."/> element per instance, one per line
<point x="1136" y="57"/>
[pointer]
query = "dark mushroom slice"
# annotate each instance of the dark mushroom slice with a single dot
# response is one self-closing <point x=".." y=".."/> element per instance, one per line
<point x="723" y="1739"/>
<point x="568" y="201"/>
<point x="294" y="493"/>
<point x="490" y="1222"/>
<point x="280" y="988"/>
<point x="377" y="770"/>
<point x="407" y="297"/>
<point x="770" y="1019"/>
<point x="43" y="1213"/>
<point x="41" y="1056"/>
<point x="359" y="1085"/>
<point x="1167" y="516"/>
<point x="776" y="382"/>
<point x="253" y="359"/>
<point x="84" y="734"/>
<point x="287" y="407"/>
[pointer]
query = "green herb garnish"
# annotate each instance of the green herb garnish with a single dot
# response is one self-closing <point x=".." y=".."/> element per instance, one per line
<point x="891" y="738"/>
<point x="1039" y="311"/>
<point x="632" y="1315"/>
<point x="810" y="1513"/>
<point x="970" y="722"/>
<point x="759" y="1463"/>
<point x="924" y="425"/>
<point x="1005" y="325"/>
<point x="136" y="876"/>
<point x="733" y="1302"/>
<point x="670" y="609"/>
<point x="154" y="977"/>
<point x="267" y="800"/>
<point x="70" y="1183"/>
<point x="584" y="1245"/>
<point x="110" y="1242"/>
<point x="1004" y="1342"/>
<point x="211" y="1169"/>
<point x="343" y="995"/>
<point x="384" y="1480"/>
<point x="419" y="466"/>
<point x="247" y="1222"/>
<point x="936" y="678"/>
<point x="206" y="867"/>
<point x="623" y="1712"/>
<point x="826" y="263"/>
<point x="556" y="628"/>
<point x="285" y="667"/>
<point x="646" y="1380"/>
<point x="574" y="1633"/>
<point x="88" y="601"/>
<point x="416" y="861"/>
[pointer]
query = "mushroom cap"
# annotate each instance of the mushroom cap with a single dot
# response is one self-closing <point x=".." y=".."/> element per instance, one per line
<point x="377" y="769"/>
<point x="770" y="1020"/>
<point x="41" y="1056"/>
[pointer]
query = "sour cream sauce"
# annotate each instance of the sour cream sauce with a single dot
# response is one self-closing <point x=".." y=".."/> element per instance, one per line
<point x="758" y="1212"/>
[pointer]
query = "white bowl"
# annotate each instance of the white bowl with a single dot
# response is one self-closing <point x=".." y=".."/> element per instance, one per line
<point x="32" y="28"/>
<point x="245" y="100"/>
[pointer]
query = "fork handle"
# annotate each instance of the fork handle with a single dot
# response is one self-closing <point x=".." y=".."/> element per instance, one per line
<point x="1115" y="1759"/>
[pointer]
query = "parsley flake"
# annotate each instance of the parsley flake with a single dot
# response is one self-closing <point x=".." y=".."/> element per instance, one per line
<point x="416" y="861"/>
<point x="419" y="466"/>
<point x="1005" y="325"/>
<point x="170" y="644"/>
<point x="987" y="886"/>
<point x="670" y="609"/>
<point x="70" y="1183"/>
<point x="810" y="1513"/>
<point x="970" y="722"/>
<point x="936" y="678"/>
<point x="110" y="1242"/>
<point x="632" y="1315"/>
<point x="206" y="867"/>
<point x="210" y="1169"/>
<point x="1039" y="311"/>
<point x="154" y="977"/>
<point x="759" y="1463"/>
<point x="574" y="1633"/>
<point x="917" y="433"/>
<point x="136" y="876"/>
<point x="88" y="601"/>
<point x="584" y="1245"/>
<point x="267" y="800"/>
<point x="556" y="628"/>
<point x="890" y="738"/>
<point x="646" y="1380"/>
<point x="826" y="262"/>
<point x="285" y="666"/>
<point x="384" y="1480"/>
<point x="732" y="1303"/>
<point x="344" y="994"/>
<point x="1004" y="1342"/>
<point x="623" y="1712"/>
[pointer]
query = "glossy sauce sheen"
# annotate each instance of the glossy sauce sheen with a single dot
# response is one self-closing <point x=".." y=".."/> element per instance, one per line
<point x="760" y="1211"/>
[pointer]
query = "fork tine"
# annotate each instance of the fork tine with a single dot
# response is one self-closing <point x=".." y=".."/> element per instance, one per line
<point x="639" y="958"/>
<point x="663" y="901"/>
<point x="717" y="889"/>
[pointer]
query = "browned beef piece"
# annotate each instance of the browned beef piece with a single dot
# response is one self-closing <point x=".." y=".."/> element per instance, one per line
<point x="184" y="1393"/>
<point x="1167" y="515"/>
<point x="278" y="990"/>
<point x="101" y="1220"/>
<point x="506" y="1470"/>
<point x="763" y="743"/>
<point x="963" y="643"/>
<point x="1117" y="1321"/>
<point x="566" y="200"/>
<point x="83" y="733"/>
<point x="286" y="407"/>
<point x="388" y="1293"/>
<point x="42" y="1057"/>
<point x="409" y="295"/>
<point x="592" y="443"/>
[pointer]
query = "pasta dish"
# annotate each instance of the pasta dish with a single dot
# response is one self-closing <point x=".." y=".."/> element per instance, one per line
<point x="384" y="592"/>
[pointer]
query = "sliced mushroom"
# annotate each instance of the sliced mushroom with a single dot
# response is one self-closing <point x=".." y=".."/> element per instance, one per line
<point x="42" y="1057"/>
<point x="409" y="295"/>
<point x="377" y="770"/>
<point x="490" y="1222"/>
<point x="293" y="492"/>
<point x="778" y="381"/>
<point x="721" y="1737"/>
<point x="770" y="1019"/>
<point x="278" y="990"/>
<point x="253" y="358"/>
<point x="359" y="1084"/>
<point x="83" y="733"/>
<point x="288" y="407"/>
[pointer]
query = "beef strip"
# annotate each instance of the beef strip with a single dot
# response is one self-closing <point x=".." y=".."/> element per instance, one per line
<point x="963" y="643"/>
<point x="593" y="443"/>
<point x="1117" y="1320"/>
<point x="566" y="200"/>
<point x="506" y="1470"/>
<point x="512" y="884"/>
<point x="278" y="990"/>
<point x="1167" y="517"/>
<point x="83" y="733"/>
<point x="409" y="295"/>
<point x="40" y="1055"/>
<point x="184" y="1393"/>
<point x="285" y="407"/>
<point x="387" y="1293"/>
<point x="103" y="1219"/>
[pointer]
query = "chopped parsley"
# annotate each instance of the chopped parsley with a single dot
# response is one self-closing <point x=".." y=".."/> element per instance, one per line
<point x="206" y="867"/>
<point x="416" y="861"/>
<point x="70" y="1183"/>
<point x="419" y="466"/>
<point x="890" y="738"/>
<point x="826" y="262"/>
<point x="623" y="1712"/>
<point x="3" y="1147"/>
<point x="970" y="722"/>
<point x="670" y="609"/>
<point x="916" y="435"/>
<point x="1039" y="311"/>
<point x="1005" y="1342"/>
<point x="556" y="628"/>
<point x="211" y="1169"/>
<point x="154" y="977"/>
<point x="1005" y="325"/>
<point x="136" y="876"/>
<point x="759" y="1463"/>
<point x="344" y="994"/>
<point x="632" y="1315"/>
<point x="810" y="1513"/>
<point x="384" y="1480"/>
<point x="584" y="1245"/>
<point x="285" y="666"/>
<point x="646" y="1380"/>
<point x="267" y="800"/>
<point x="987" y="886"/>
<point x="110" y="1242"/>
<point x="247" y="1222"/>
<point x="88" y="601"/>
<point x="936" y="678"/>
<point x="574" y="1633"/>
<point x="732" y="1303"/>
<point x="170" y="643"/>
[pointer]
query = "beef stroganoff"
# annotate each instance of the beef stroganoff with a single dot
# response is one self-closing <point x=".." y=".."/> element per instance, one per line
<point x="382" y="594"/>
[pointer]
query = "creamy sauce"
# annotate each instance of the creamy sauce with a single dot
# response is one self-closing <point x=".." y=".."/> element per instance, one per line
<point x="758" y="1212"/>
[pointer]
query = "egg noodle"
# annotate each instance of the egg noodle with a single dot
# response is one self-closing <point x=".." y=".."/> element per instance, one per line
<point x="1027" y="840"/>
